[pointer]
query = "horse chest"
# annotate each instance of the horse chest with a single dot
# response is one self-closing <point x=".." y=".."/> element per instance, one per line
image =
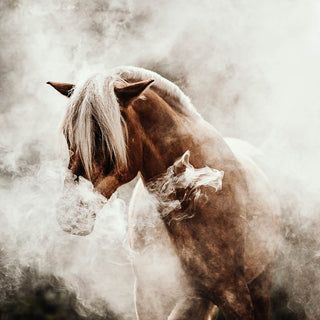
<point x="146" y="229"/>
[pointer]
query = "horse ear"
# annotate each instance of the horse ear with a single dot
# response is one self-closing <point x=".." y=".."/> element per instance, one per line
<point x="64" y="88"/>
<point x="131" y="91"/>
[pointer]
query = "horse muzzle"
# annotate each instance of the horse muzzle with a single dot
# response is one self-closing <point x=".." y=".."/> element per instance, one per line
<point x="77" y="207"/>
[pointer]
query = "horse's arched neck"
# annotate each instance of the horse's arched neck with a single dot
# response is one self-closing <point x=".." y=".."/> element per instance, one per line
<point x="166" y="135"/>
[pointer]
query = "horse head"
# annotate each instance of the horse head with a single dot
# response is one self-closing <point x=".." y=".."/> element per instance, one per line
<point x="99" y="137"/>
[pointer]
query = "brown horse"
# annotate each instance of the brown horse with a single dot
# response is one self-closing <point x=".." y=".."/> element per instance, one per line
<point x="223" y="226"/>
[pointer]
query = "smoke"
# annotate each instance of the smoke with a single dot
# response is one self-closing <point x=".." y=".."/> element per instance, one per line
<point x="182" y="176"/>
<point x="31" y="237"/>
<point x="250" y="67"/>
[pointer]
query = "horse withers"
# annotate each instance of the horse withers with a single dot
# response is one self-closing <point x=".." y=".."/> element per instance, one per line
<point x="214" y="230"/>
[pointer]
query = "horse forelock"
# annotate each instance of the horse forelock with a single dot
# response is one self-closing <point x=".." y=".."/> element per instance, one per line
<point x="93" y="103"/>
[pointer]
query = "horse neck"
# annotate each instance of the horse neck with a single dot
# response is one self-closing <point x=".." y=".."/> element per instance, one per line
<point x="167" y="134"/>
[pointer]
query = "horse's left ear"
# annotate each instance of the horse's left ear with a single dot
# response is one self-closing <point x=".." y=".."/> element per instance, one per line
<point x="64" y="88"/>
<point x="131" y="91"/>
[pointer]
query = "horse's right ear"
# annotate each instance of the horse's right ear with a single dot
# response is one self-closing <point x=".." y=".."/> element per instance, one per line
<point x="64" y="88"/>
<point x="131" y="91"/>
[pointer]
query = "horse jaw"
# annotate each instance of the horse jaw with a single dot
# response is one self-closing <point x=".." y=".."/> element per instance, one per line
<point x="107" y="186"/>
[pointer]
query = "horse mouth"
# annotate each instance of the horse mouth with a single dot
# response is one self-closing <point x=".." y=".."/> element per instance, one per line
<point x="73" y="229"/>
<point x="77" y="207"/>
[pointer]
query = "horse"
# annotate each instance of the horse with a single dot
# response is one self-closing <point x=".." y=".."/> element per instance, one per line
<point x="222" y="229"/>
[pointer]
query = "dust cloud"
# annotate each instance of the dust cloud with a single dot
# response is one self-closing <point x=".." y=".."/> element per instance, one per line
<point x="250" y="67"/>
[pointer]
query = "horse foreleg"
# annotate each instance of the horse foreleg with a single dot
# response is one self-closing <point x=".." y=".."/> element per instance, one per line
<point x="147" y="303"/>
<point x="234" y="300"/>
<point x="153" y="300"/>
<point x="195" y="308"/>
<point x="260" y="289"/>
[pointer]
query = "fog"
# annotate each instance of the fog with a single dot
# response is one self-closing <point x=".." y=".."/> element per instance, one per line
<point x="251" y="68"/>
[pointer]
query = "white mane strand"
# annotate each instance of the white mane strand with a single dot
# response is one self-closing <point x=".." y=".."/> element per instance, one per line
<point x="95" y="100"/>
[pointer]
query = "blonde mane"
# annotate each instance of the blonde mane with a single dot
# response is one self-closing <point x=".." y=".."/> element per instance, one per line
<point x="95" y="100"/>
<point x="166" y="89"/>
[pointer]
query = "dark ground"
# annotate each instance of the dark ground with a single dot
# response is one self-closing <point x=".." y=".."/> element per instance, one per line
<point x="45" y="298"/>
